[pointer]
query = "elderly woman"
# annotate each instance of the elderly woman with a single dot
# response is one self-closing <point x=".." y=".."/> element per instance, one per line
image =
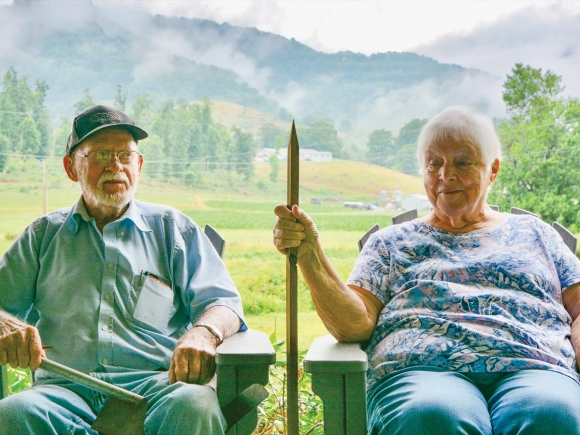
<point x="469" y="313"/>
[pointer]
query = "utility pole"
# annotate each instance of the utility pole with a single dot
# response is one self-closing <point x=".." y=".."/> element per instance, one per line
<point x="44" y="190"/>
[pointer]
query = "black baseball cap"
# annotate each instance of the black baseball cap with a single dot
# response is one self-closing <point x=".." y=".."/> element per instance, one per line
<point x="98" y="118"/>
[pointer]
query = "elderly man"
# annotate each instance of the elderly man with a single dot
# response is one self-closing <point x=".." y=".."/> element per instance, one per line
<point x="130" y="292"/>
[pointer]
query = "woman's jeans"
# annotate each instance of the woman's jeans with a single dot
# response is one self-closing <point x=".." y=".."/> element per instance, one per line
<point x="61" y="407"/>
<point x="432" y="402"/>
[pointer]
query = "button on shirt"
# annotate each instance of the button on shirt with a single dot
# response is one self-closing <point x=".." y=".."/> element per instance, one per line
<point x="119" y="300"/>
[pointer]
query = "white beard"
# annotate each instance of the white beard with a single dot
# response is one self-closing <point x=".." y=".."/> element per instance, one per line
<point x="100" y="198"/>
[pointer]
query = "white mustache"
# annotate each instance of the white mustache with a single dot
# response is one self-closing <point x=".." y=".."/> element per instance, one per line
<point x="108" y="176"/>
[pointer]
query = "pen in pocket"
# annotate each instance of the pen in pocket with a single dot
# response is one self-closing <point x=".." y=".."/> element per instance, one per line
<point x="153" y="277"/>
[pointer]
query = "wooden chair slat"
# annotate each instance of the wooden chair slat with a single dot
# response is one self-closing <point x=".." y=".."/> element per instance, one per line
<point x="366" y="236"/>
<point x="406" y="216"/>
<point x="3" y="382"/>
<point x="516" y="210"/>
<point x="569" y="239"/>
<point x="216" y="239"/>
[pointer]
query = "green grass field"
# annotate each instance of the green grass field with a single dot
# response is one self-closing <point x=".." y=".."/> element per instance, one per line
<point x="245" y="222"/>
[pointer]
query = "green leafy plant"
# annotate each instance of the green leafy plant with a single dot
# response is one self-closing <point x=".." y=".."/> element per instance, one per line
<point x="272" y="412"/>
<point x="18" y="379"/>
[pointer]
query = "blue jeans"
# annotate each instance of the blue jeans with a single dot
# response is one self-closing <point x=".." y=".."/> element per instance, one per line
<point x="61" y="407"/>
<point x="433" y="402"/>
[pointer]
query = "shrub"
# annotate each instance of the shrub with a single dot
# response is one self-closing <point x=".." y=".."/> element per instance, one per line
<point x="272" y="412"/>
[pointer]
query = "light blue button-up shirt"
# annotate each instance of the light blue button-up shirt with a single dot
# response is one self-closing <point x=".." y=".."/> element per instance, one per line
<point x="117" y="300"/>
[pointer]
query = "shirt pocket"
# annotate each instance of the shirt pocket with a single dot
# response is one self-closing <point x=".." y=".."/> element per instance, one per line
<point x="154" y="306"/>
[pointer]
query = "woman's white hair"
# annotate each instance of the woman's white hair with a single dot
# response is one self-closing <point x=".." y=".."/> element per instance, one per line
<point x="461" y="123"/>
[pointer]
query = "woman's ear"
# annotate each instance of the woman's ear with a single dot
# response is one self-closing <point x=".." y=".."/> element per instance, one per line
<point x="69" y="167"/>
<point x="494" y="170"/>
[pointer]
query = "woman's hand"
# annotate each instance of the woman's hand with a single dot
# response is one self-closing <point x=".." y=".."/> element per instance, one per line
<point x="294" y="229"/>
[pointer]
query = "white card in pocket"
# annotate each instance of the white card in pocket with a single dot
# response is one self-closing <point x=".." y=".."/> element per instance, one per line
<point x="155" y="304"/>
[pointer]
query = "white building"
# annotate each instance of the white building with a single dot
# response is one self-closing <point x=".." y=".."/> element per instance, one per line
<point x="264" y="154"/>
<point x="306" y="154"/>
<point x="311" y="155"/>
<point x="416" y="201"/>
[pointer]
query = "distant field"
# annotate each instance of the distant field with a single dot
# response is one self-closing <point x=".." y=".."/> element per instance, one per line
<point x="347" y="180"/>
<point x="235" y="115"/>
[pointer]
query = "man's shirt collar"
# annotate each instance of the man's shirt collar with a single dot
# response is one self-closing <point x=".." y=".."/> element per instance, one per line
<point x="134" y="214"/>
<point x="79" y="211"/>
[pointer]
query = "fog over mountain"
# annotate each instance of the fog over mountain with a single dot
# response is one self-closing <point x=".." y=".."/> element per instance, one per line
<point x="74" y="45"/>
<point x="545" y="37"/>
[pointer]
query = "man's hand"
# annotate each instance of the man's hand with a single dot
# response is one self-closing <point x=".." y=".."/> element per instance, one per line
<point x="193" y="360"/>
<point x="20" y="344"/>
<point x="294" y="229"/>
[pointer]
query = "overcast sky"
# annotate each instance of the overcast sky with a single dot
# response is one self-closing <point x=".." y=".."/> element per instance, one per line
<point x="364" y="26"/>
<point x="489" y="35"/>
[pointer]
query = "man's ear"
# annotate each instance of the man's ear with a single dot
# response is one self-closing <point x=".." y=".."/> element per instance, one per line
<point x="69" y="167"/>
<point x="141" y="160"/>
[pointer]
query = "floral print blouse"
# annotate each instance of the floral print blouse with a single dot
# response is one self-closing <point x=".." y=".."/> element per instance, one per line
<point x="485" y="301"/>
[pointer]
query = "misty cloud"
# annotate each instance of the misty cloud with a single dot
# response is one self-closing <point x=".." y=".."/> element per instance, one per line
<point x="542" y="37"/>
<point x="156" y="63"/>
<point x="24" y="20"/>
<point x="426" y="99"/>
<point x="293" y="97"/>
<point x="210" y="48"/>
<point x="156" y="45"/>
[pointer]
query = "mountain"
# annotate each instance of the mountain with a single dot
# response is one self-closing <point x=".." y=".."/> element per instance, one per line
<point x="78" y="45"/>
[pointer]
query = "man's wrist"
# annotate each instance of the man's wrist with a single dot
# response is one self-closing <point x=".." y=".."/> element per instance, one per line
<point x="212" y="330"/>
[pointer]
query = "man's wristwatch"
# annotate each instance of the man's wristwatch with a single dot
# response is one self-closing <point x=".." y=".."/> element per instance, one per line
<point x="213" y="331"/>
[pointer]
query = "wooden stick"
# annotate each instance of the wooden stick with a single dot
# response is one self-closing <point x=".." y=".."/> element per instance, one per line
<point x="292" y="292"/>
<point x="90" y="382"/>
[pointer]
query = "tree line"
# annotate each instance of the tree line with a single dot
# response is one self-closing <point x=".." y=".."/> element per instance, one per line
<point x="24" y="119"/>
<point x="540" y="170"/>
<point x="185" y="141"/>
<point x="540" y="139"/>
<point x="396" y="152"/>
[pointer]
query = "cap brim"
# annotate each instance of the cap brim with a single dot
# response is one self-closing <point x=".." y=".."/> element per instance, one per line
<point x="136" y="132"/>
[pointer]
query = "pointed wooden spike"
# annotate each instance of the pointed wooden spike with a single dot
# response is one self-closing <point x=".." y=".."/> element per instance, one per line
<point x="292" y="293"/>
<point x="293" y="168"/>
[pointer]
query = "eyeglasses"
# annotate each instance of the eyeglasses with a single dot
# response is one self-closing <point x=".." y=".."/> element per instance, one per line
<point x="104" y="158"/>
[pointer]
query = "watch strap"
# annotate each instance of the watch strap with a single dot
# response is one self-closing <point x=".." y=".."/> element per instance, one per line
<point x="213" y="331"/>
